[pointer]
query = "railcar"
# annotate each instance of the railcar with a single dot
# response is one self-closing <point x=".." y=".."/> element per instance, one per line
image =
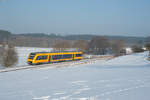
<point x="52" y="57"/>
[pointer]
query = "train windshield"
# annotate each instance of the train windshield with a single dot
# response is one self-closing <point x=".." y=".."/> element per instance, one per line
<point x="32" y="55"/>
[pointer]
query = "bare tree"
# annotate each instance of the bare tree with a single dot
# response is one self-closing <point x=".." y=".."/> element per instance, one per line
<point x="98" y="45"/>
<point x="118" y="47"/>
<point x="4" y="36"/>
<point x="1" y="52"/>
<point x="62" y="45"/>
<point x="81" y="45"/>
<point x="10" y="57"/>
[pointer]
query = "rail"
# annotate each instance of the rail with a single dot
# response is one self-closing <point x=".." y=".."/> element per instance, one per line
<point x="57" y="65"/>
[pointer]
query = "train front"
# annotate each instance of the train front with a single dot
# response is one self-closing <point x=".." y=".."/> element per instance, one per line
<point x="30" y="59"/>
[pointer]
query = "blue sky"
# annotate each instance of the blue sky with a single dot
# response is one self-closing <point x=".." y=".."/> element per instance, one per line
<point x="102" y="17"/>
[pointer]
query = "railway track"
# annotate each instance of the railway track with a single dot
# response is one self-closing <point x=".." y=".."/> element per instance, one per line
<point x="55" y="65"/>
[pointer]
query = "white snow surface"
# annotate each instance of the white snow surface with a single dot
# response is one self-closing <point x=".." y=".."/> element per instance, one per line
<point x="122" y="78"/>
<point x="129" y="60"/>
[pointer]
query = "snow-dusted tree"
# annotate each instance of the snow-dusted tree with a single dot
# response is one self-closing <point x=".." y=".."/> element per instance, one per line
<point x="1" y="56"/>
<point x="148" y="47"/>
<point x="4" y="36"/>
<point x="99" y="45"/>
<point x="81" y="45"/>
<point x="10" y="57"/>
<point x="118" y="47"/>
<point x="62" y="45"/>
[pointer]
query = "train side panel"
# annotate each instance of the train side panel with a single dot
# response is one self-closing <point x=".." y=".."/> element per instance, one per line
<point x="39" y="58"/>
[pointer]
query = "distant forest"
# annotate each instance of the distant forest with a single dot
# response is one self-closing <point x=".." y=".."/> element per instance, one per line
<point x="48" y="40"/>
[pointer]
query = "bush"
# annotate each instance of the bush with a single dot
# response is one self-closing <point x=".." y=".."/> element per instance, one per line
<point x="10" y="57"/>
<point x="136" y="49"/>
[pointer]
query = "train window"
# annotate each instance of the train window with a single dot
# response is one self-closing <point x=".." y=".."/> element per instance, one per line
<point x="57" y="57"/>
<point x="32" y="55"/>
<point x="67" y="56"/>
<point x="78" y="55"/>
<point x="61" y="56"/>
<point x="41" y="58"/>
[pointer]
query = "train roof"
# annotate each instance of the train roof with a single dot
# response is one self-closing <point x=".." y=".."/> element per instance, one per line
<point x="55" y="52"/>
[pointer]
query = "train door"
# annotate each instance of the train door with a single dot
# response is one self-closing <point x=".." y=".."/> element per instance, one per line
<point x="49" y="60"/>
<point x="73" y="56"/>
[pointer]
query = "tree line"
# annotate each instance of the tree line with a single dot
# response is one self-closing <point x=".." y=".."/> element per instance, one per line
<point x="47" y="40"/>
<point x="98" y="45"/>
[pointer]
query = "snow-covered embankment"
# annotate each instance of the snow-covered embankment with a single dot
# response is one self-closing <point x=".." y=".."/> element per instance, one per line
<point x="116" y="79"/>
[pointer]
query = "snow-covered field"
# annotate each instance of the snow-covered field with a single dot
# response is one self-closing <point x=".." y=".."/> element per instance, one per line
<point x="122" y="78"/>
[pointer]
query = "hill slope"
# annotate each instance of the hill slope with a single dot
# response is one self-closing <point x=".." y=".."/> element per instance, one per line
<point x="105" y="80"/>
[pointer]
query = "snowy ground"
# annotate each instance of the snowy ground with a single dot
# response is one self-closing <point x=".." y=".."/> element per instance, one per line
<point x="122" y="78"/>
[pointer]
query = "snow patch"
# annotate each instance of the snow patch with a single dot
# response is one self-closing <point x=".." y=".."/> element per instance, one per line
<point x="42" y="98"/>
